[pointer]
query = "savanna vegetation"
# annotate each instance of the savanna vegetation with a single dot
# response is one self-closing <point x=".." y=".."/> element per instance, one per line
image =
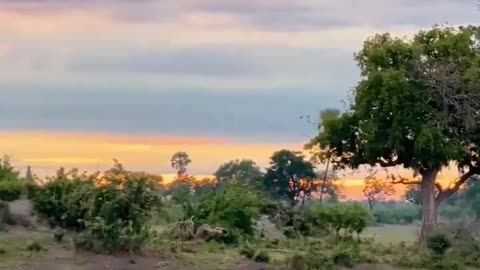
<point x="416" y="106"/>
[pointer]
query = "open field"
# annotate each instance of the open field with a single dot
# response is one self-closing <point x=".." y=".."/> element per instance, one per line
<point x="209" y="256"/>
<point x="62" y="256"/>
<point x="392" y="234"/>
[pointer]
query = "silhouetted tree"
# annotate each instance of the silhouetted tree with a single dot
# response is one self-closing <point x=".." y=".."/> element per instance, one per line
<point x="179" y="162"/>
<point x="244" y="171"/>
<point x="289" y="175"/>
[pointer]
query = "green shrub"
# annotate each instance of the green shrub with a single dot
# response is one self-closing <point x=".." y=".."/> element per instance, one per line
<point x="344" y="256"/>
<point x="233" y="208"/>
<point x="396" y="213"/>
<point x="111" y="211"/>
<point x="64" y="201"/>
<point x="439" y="244"/>
<point x="34" y="246"/>
<point x="312" y="260"/>
<point x="262" y="256"/>
<point x="5" y="217"/>
<point x="11" y="190"/>
<point x="31" y="189"/>
<point x="247" y="251"/>
<point x="346" y="218"/>
<point x="118" y="213"/>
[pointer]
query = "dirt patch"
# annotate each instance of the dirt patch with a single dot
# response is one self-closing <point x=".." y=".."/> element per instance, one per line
<point x="97" y="262"/>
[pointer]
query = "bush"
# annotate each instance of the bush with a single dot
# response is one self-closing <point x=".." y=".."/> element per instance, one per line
<point x="64" y="201"/>
<point x="11" y="190"/>
<point x="110" y="211"/>
<point x="233" y="208"/>
<point x="439" y="244"/>
<point x="348" y="218"/>
<point x="31" y="189"/>
<point x="312" y="260"/>
<point x="247" y="251"/>
<point x="262" y="256"/>
<point x="34" y="246"/>
<point x="5" y="217"/>
<point x="345" y="256"/>
<point x="396" y="213"/>
<point x="118" y="213"/>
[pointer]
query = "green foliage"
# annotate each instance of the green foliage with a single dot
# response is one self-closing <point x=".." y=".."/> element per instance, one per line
<point x="289" y="175"/>
<point x="438" y="243"/>
<point x="312" y="260"/>
<point x="11" y="185"/>
<point x="233" y="208"/>
<point x="345" y="255"/>
<point x="5" y="217"/>
<point x="248" y="251"/>
<point x="111" y="211"/>
<point x="65" y="199"/>
<point x="406" y="110"/>
<point x="349" y="218"/>
<point x="34" y="246"/>
<point x="11" y="190"/>
<point x="7" y="171"/>
<point x="118" y="213"/>
<point x="396" y="213"/>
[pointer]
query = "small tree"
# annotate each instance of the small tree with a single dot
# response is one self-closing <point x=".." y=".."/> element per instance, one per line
<point x="179" y="162"/>
<point x="289" y="176"/>
<point x="7" y="171"/>
<point x="376" y="189"/>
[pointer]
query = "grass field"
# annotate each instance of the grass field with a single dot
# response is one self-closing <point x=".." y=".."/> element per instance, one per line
<point x="387" y="234"/>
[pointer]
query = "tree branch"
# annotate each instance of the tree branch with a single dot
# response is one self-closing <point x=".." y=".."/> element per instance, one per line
<point x="390" y="163"/>
<point x="405" y="181"/>
<point x="439" y="187"/>
<point x="458" y="184"/>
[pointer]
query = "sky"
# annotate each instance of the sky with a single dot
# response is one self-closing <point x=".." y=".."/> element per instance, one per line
<point x="82" y="82"/>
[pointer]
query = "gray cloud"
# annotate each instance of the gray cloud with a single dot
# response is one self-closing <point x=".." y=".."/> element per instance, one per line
<point x="209" y="61"/>
<point x="254" y="62"/>
<point x="248" y="116"/>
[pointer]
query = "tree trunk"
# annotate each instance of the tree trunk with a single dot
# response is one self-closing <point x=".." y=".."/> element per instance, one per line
<point x="429" y="205"/>
<point x="322" y="190"/>
<point x="370" y="204"/>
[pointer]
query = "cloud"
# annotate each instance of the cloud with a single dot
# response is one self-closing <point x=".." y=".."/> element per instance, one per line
<point x="241" y="69"/>
<point x="242" y="116"/>
<point x="207" y="61"/>
<point x="273" y="15"/>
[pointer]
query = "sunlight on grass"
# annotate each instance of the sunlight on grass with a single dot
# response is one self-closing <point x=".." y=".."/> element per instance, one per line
<point x="392" y="234"/>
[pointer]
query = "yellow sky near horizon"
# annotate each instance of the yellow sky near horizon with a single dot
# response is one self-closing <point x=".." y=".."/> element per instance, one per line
<point x="45" y="152"/>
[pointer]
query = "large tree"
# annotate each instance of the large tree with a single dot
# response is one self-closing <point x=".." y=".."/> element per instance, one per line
<point x="245" y="171"/>
<point x="289" y="176"/>
<point x="417" y="105"/>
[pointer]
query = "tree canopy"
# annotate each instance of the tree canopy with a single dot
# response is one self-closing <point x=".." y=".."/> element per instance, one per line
<point x="244" y="171"/>
<point x="179" y="162"/>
